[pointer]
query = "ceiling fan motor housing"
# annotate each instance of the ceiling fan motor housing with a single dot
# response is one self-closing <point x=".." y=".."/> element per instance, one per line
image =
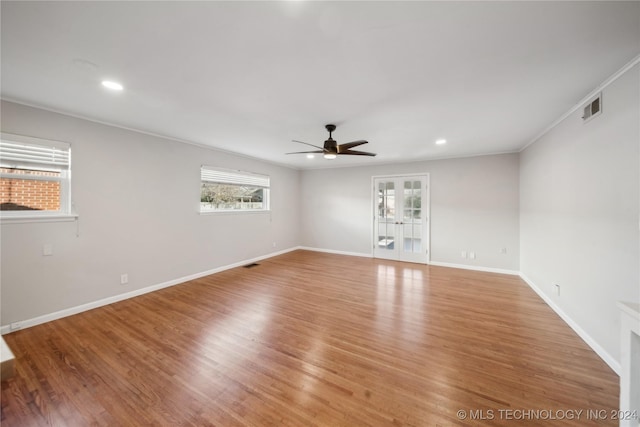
<point x="331" y="145"/>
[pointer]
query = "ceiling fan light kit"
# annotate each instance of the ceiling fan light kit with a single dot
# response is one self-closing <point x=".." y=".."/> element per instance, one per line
<point x="331" y="149"/>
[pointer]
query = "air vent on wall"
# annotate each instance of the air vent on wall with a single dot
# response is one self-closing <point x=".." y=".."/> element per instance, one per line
<point x="593" y="108"/>
<point x="253" y="264"/>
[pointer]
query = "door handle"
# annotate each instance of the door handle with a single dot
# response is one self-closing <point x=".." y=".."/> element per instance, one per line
<point x="399" y="223"/>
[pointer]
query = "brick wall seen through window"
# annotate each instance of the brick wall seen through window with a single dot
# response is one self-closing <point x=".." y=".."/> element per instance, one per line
<point x="29" y="194"/>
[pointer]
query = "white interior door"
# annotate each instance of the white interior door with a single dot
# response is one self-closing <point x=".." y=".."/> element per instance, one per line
<point x="401" y="207"/>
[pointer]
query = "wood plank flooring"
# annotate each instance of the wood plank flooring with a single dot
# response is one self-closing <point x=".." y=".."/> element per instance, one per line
<point x="311" y="339"/>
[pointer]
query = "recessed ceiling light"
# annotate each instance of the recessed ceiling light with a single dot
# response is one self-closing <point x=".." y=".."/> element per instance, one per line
<point x="112" y="85"/>
<point x="310" y="156"/>
<point x="441" y="141"/>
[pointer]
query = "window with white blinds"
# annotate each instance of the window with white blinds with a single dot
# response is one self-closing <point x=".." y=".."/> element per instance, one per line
<point x="34" y="176"/>
<point x="232" y="190"/>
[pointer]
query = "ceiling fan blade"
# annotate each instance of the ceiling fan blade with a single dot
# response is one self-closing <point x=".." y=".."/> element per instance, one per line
<point x="306" y="152"/>
<point x="347" y="145"/>
<point x="357" y="153"/>
<point x="306" y="143"/>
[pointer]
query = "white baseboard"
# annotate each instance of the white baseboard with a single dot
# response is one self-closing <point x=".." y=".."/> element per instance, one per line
<point x="604" y="355"/>
<point x="5" y="329"/>
<point x="475" y="268"/>
<point x="331" y="251"/>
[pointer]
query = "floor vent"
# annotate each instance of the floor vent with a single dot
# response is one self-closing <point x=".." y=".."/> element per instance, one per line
<point x="593" y="108"/>
<point x="253" y="264"/>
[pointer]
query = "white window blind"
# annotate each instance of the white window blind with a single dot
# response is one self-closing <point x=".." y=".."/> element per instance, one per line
<point x="224" y="176"/>
<point x="16" y="152"/>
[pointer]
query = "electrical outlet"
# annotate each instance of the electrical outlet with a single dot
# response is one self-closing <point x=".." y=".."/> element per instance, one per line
<point x="47" y="249"/>
<point x="472" y="255"/>
<point x="124" y="279"/>
<point x="274" y="244"/>
<point x="15" y="326"/>
<point x="503" y="250"/>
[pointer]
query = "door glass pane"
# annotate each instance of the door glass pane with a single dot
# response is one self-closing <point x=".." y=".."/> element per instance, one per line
<point x="386" y="200"/>
<point x="412" y="241"/>
<point x="386" y="242"/>
<point x="417" y="200"/>
<point x="407" y="195"/>
<point x="412" y="245"/>
<point x="412" y="199"/>
<point x="386" y="237"/>
<point x="381" y="200"/>
<point x="390" y="201"/>
<point x="407" y="237"/>
<point x="417" y="245"/>
<point x="386" y="213"/>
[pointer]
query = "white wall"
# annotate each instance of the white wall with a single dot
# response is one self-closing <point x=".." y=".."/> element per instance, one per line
<point x="137" y="197"/>
<point x="474" y="207"/>
<point x="579" y="211"/>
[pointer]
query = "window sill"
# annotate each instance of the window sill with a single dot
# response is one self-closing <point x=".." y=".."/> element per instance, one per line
<point x="15" y="219"/>
<point x="236" y="212"/>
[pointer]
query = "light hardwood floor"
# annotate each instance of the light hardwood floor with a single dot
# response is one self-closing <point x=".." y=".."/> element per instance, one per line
<point x="312" y="339"/>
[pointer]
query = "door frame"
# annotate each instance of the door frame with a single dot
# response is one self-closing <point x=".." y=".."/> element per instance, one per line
<point x="426" y="209"/>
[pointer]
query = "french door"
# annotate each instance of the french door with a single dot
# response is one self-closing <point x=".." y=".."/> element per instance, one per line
<point x="401" y="207"/>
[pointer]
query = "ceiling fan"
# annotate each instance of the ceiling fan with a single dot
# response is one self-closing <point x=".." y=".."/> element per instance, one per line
<point x="331" y="148"/>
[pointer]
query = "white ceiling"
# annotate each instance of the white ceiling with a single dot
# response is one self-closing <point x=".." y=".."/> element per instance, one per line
<point x="249" y="77"/>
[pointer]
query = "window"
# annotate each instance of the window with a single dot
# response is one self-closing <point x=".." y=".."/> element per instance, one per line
<point x="34" y="176"/>
<point x="226" y="190"/>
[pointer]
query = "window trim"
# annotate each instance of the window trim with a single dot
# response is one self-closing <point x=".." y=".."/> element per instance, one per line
<point x="237" y="178"/>
<point x="37" y="217"/>
<point x="65" y="212"/>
